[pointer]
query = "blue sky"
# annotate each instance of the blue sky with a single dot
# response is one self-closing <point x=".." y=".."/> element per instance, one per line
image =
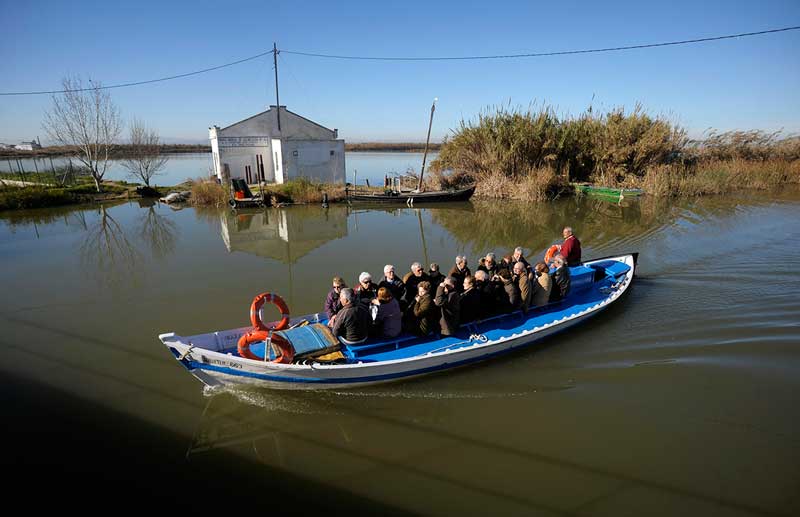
<point x="748" y="83"/>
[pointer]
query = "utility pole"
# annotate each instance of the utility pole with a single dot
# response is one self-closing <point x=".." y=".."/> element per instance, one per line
<point x="277" y="97"/>
<point x="425" y="156"/>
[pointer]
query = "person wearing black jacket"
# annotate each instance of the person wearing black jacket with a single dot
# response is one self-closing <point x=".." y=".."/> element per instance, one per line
<point x="393" y="283"/>
<point x="447" y="298"/>
<point x="486" y="290"/>
<point x="488" y="264"/>
<point x="561" y="280"/>
<point x="460" y="271"/>
<point x="470" y="304"/>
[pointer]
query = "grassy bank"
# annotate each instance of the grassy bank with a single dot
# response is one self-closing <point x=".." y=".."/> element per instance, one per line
<point x="535" y="154"/>
<point x="44" y="196"/>
<point x="297" y="191"/>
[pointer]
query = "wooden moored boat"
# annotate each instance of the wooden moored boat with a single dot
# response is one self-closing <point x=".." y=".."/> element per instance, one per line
<point x="214" y="358"/>
<point x="412" y="198"/>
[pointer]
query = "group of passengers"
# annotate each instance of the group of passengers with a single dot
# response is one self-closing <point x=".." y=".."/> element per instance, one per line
<point x="423" y="302"/>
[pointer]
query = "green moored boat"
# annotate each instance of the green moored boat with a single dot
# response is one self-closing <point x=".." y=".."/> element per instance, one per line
<point x="607" y="191"/>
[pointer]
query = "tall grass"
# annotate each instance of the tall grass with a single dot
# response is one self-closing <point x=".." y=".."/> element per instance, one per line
<point x="207" y="192"/>
<point x="533" y="154"/>
<point x="303" y="190"/>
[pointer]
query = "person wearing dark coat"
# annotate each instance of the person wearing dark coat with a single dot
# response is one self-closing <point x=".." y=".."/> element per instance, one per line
<point x="423" y="314"/>
<point x="470" y="303"/>
<point x="489" y="265"/>
<point x="486" y="292"/>
<point x="518" y="257"/>
<point x="448" y="300"/>
<point x="392" y="282"/>
<point x="509" y="297"/>
<point x="542" y="285"/>
<point x="561" y="280"/>
<point x="388" y="318"/>
<point x="435" y="277"/>
<point x="460" y="271"/>
<point x="523" y="281"/>
<point x="351" y="324"/>
<point x="505" y="263"/>
<point x="411" y="281"/>
<point x="332" y="303"/>
<point x="366" y="290"/>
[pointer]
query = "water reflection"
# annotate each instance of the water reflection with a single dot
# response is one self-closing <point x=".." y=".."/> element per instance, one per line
<point x="285" y="235"/>
<point x="157" y="231"/>
<point x="106" y="252"/>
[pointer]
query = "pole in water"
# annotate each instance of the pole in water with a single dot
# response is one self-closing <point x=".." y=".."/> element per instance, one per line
<point x="427" y="140"/>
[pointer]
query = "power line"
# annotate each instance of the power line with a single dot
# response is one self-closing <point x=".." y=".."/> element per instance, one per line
<point x="138" y="83"/>
<point x="542" y="54"/>
<point x="434" y="58"/>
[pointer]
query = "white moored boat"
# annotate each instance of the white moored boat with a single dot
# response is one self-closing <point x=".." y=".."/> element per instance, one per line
<point x="214" y="358"/>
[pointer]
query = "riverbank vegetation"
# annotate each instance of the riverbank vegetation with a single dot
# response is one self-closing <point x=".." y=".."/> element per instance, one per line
<point x="207" y="192"/>
<point x="43" y="195"/>
<point x="536" y="154"/>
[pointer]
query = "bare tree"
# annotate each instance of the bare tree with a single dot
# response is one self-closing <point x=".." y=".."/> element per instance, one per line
<point x="144" y="159"/>
<point x="85" y="117"/>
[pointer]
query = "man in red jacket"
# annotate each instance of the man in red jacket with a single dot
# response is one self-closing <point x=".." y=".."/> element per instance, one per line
<point x="571" y="249"/>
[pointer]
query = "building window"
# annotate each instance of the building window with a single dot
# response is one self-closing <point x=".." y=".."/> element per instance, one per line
<point x="331" y="153"/>
<point x="294" y="153"/>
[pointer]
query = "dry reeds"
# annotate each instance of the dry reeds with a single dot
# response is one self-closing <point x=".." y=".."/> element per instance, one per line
<point x="532" y="154"/>
<point x="207" y="192"/>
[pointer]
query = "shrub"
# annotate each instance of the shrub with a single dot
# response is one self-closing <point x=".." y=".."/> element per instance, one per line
<point x="207" y="192"/>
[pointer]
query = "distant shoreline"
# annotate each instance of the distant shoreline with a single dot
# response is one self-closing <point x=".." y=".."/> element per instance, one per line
<point x="122" y="150"/>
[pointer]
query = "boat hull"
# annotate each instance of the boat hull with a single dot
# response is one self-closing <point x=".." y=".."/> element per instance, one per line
<point x="215" y="368"/>
<point x="412" y="198"/>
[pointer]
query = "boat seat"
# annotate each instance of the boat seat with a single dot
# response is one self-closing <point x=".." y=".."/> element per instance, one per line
<point x="610" y="267"/>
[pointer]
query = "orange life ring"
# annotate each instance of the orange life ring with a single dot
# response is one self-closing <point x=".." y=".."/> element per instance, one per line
<point x="254" y="336"/>
<point x="258" y="303"/>
<point x="550" y="253"/>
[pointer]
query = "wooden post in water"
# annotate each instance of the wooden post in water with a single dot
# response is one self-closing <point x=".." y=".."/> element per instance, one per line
<point x="21" y="170"/>
<point x="36" y="166"/>
<point x="427" y="140"/>
<point x="53" y="170"/>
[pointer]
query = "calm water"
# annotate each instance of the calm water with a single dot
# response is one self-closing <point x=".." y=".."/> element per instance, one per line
<point x="183" y="166"/>
<point x="680" y="400"/>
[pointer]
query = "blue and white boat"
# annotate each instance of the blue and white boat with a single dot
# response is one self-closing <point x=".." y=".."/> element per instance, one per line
<point x="214" y="359"/>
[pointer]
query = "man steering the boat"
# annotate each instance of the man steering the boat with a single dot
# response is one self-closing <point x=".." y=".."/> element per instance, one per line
<point x="571" y="248"/>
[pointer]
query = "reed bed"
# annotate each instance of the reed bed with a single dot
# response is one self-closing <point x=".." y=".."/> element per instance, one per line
<point x="303" y="191"/>
<point x="535" y="154"/>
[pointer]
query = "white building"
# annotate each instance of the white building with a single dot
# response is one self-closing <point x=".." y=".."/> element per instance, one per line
<point x="28" y="146"/>
<point x="255" y="148"/>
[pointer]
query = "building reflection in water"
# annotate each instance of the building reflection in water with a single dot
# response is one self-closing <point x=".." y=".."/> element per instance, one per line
<point x="285" y="234"/>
